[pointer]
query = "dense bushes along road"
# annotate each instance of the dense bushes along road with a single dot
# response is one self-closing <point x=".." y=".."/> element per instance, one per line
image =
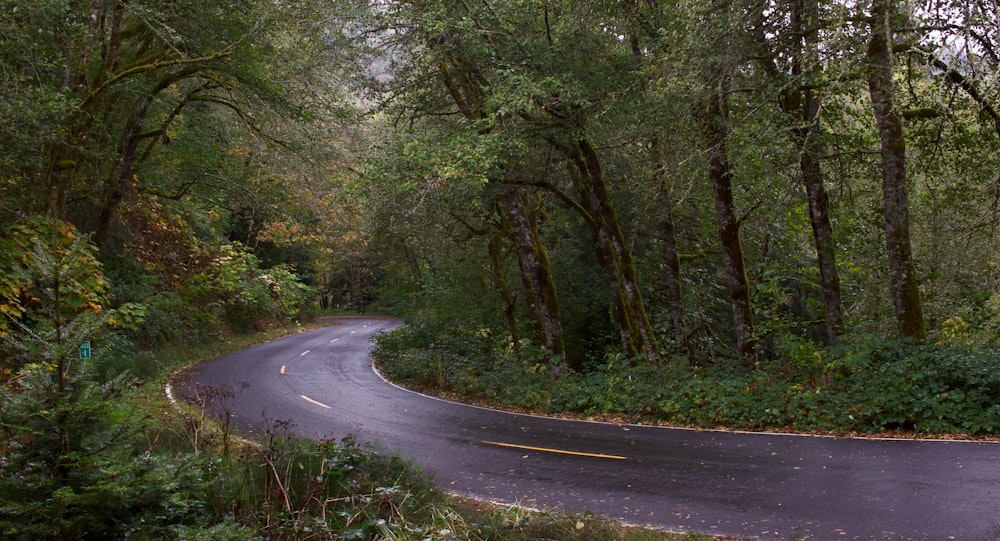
<point x="863" y="386"/>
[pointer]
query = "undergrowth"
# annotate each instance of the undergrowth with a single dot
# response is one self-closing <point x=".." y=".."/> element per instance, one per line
<point x="865" y="385"/>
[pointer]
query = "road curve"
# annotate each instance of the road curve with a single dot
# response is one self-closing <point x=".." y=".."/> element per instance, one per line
<point x="763" y="486"/>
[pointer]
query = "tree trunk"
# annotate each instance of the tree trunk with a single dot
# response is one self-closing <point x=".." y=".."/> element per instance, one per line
<point x="675" y="298"/>
<point x="634" y="326"/>
<point x="120" y="184"/>
<point x="826" y="254"/>
<point x="805" y="66"/>
<point x="537" y="270"/>
<point x="715" y="127"/>
<point x="500" y="281"/>
<point x="902" y="276"/>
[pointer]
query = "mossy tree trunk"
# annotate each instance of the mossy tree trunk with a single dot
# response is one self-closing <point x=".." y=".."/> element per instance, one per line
<point x="612" y="252"/>
<point x="536" y="268"/>
<point x="714" y="118"/>
<point x="805" y="108"/>
<point x="903" y="286"/>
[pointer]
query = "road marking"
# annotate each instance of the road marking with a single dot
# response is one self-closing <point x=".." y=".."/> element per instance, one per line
<point x="311" y="401"/>
<point x="304" y="353"/>
<point x="282" y="371"/>
<point x="558" y="451"/>
<point x="334" y="340"/>
<point x="352" y="332"/>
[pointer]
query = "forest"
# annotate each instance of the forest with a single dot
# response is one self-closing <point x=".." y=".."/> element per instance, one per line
<point x="729" y="213"/>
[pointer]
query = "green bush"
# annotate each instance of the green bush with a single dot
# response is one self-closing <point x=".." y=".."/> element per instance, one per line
<point x="926" y="388"/>
<point x="865" y="385"/>
<point x="238" y="293"/>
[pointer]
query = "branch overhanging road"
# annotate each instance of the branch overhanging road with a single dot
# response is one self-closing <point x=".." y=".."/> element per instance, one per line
<point x="764" y="486"/>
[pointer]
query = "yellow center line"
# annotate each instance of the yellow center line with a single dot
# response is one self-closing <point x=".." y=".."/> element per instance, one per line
<point x="559" y="451"/>
<point x="311" y="401"/>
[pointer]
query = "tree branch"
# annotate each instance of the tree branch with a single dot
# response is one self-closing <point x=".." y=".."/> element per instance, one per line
<point x="968" y="86"/>
<point x="148" y="67"/>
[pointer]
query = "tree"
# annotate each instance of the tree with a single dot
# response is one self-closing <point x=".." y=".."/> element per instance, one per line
<point x="799" y="76"/>
<point x="714" y="118"/>
<point x="903" y="284"/>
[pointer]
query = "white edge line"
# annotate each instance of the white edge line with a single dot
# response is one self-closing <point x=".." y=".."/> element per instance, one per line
<point x="684" y="428"/>
<point x="168" y="389"/>
<point x="517" y="502"/>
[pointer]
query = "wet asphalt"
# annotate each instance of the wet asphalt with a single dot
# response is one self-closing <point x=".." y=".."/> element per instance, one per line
<point x="320" y="384"/>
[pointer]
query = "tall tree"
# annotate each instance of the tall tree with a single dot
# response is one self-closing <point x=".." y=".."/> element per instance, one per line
<point x="714" y="117"/>
<point x="806" y="68"/>
<point x="791" y="60"/>
<point x="469" y="90"/>
<point x="719" y="35"/>
<point x="903" y="285"/>
<point x="536" y="269"/>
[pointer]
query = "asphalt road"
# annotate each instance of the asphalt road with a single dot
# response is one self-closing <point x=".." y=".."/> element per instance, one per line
<point x="762" y="486"/>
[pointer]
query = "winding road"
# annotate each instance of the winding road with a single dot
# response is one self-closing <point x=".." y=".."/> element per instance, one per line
<point x="762" y="486"/>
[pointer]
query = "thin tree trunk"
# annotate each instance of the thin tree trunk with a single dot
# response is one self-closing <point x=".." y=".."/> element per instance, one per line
<point x="120" y="183"/>
<point x="806" y="64"/>
<point x="675" y="298"/>
<point x="715" y="127"/>
<point x="500" y="281"/>
<point x="903" y="285"/>
<point x="826" y="255"/>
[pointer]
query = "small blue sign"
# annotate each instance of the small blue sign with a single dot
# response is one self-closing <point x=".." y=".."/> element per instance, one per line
<point x="85" y="350"/>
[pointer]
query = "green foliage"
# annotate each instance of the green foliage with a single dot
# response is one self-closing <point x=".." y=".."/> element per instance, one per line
<point x="865" y="385"/>
<point x="77" y="458"/>
<point x="439" y="354"/>
<point x="237" y="292"/>
<point x="54" y="297"/>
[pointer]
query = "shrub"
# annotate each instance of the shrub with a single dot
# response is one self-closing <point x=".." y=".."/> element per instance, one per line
<point x="864" y="385"/>
<point x="237" y="292"/>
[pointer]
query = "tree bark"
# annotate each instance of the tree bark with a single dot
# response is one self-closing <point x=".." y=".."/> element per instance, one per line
<point x="819" y="219"/>
<point x="903" y="285"/>
<point x="675" y="298"/>
<point x="121" y="182"/>
<point x="537" y="269"/>
<point x="715" y="128"/>
<point x="805" y="65"/>
<point x="613" y="254"/>
<point x="497" y="239"/>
